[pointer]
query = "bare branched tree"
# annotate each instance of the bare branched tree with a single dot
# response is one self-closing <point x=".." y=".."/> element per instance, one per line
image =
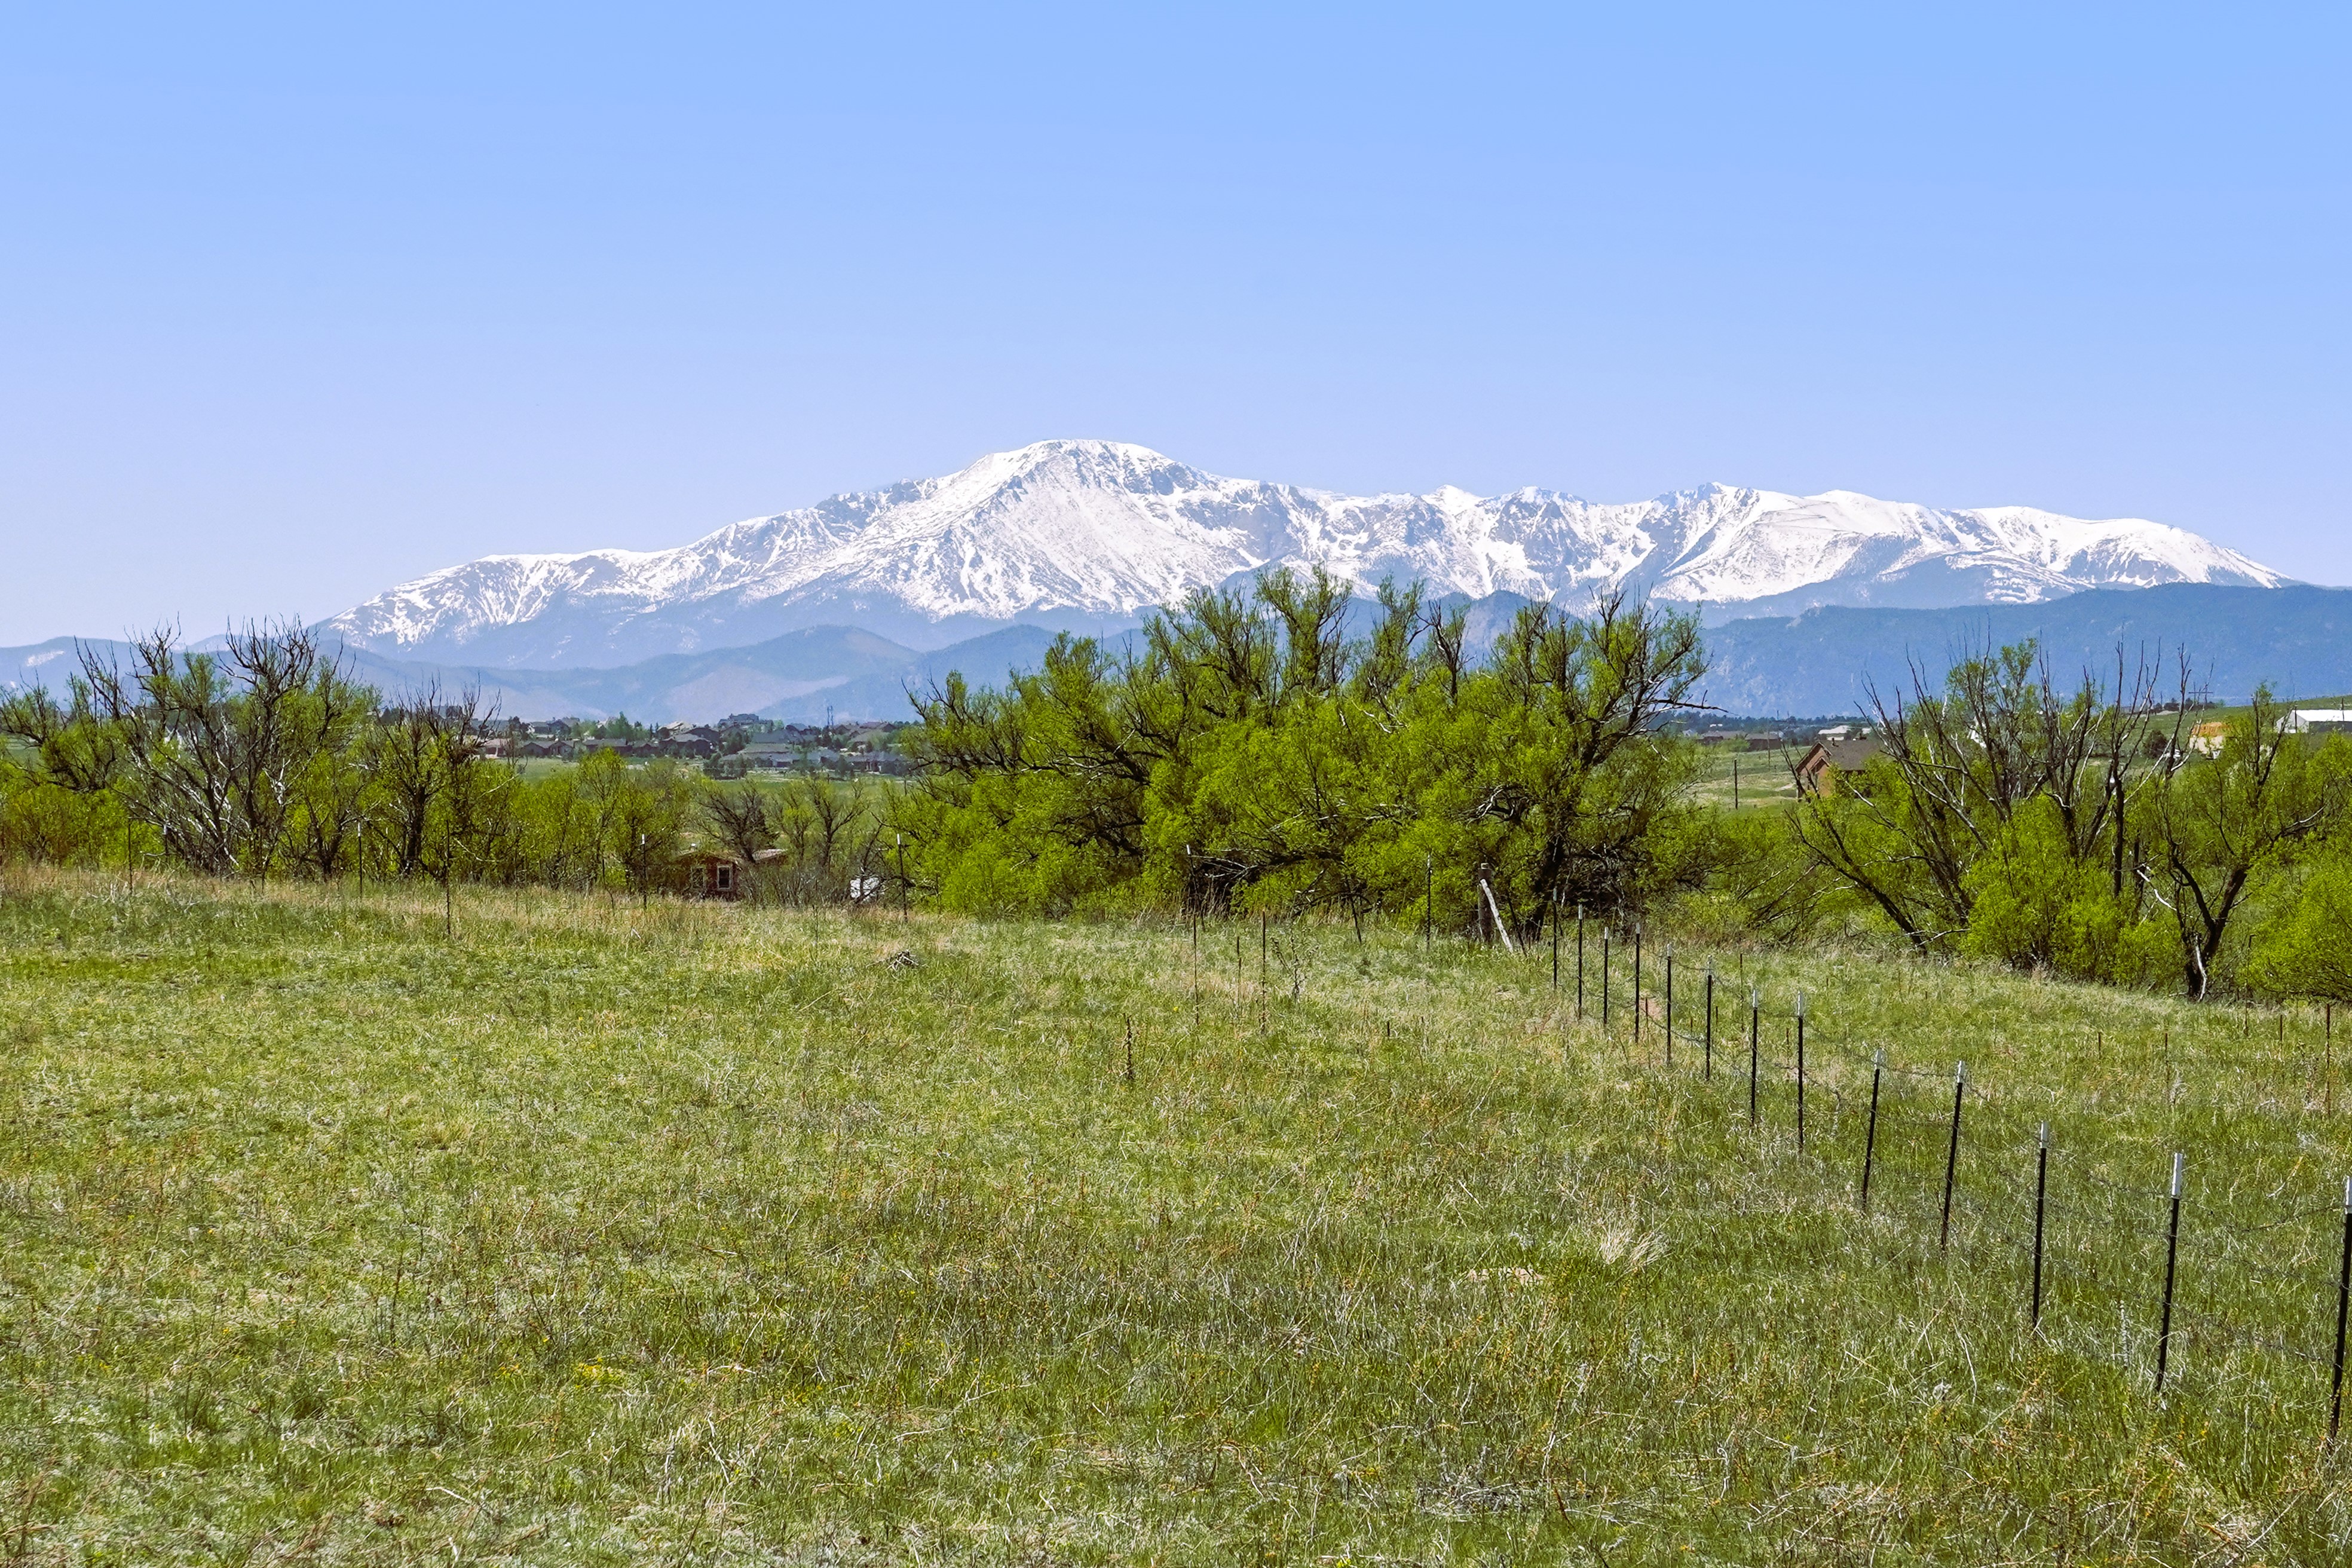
<point x="212" y="750"/>
<point x="742" y="818"/>
<point x="2227" y="819"/>
<point x="1961" y="763"/>
<point x="426" y="759"/>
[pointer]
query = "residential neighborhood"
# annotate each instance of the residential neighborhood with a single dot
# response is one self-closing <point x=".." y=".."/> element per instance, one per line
<point x="738" y="745"/>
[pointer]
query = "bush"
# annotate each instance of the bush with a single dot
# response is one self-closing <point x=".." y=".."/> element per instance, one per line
<point x="2306" y="951"/>
<point x="47" y="824"/>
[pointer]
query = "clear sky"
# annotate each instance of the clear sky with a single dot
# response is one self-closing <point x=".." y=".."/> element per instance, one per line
<point x="296" y="304"/>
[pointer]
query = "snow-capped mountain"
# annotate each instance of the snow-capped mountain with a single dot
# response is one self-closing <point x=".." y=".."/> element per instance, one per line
<point x="1093" y="534"/>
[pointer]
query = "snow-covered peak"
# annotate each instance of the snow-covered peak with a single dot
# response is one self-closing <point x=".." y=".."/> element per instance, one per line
<point x="1081" y="532"/>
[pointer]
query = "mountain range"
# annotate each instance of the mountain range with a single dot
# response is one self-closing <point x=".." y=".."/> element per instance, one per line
<point x="845" y="607"/>
<point x="1090" y="535"/>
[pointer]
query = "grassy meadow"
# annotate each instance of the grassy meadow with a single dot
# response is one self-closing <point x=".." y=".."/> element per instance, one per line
<point x="1747" y="781"/>
<point x="595" y="1233"/>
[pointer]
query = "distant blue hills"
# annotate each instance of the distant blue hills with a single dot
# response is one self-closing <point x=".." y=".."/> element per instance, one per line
<point x="2298" y="640"/>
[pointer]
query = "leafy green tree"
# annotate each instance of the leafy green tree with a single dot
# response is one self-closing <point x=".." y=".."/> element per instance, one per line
<point x="48" y="823"/>
<point x="1752" y="876"/>
<point x="1250" y="754"/>
<point x="654" y="807"/>
<point x="429" y="771"/>
<point x="551" y="832"/>
<point x="2034" y="902"/>
<point x="1998" y="783"/>
<point x="2306" y="951"/>
<point x="2228" y="823"/>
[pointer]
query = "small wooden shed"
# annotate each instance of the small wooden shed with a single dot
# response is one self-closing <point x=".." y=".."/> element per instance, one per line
<point x="712" y="874"/>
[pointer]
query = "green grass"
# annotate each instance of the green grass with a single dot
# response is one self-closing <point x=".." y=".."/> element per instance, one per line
<point x="1764" y="777"/>
<point x="711" y="1235"/>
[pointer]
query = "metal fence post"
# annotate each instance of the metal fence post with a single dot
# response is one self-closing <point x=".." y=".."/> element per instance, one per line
<point x="2343" y="1304"/>
<point x="1800" y="1072"/>
<point x="2040" y="1193"/>
<point x="1952" y="1154"/>
<point x="1870" y="1136"/>
<point x="2171" y="1258"/>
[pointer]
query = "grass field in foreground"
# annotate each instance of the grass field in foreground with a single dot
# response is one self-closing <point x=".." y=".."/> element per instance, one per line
<point x="596" y="1235"/>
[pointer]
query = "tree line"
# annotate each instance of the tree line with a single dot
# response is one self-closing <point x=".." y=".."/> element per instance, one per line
<point x="268" y="759"/>
<point x="1246" y="752"/>
<point x="1286" y="748"/>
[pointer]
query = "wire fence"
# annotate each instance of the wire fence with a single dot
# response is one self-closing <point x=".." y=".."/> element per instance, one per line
<point x="2156" y="1256"/>
<point x="2269" y="1273"/>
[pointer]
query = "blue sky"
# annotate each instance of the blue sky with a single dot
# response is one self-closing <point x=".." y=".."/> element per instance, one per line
<point x="297" y="303"/>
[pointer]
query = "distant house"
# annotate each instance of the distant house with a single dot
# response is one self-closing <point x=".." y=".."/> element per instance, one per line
<point x="712" y="874"/>
<point x="2208" y="739"/>
<point x="1826" y="760"/>
<point x="2320" y="722"/>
